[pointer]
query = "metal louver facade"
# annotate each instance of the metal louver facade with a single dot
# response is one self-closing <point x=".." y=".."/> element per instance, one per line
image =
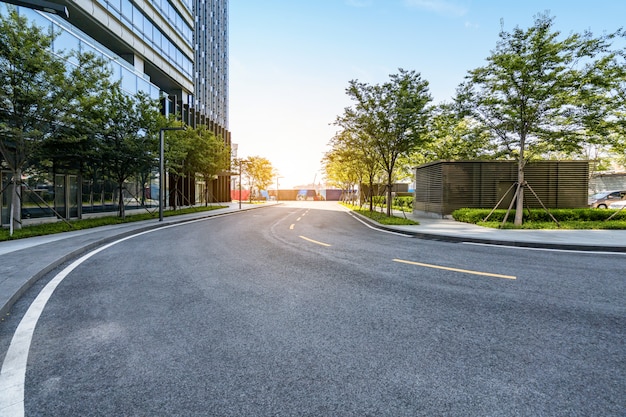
<point x="444" y="186"/>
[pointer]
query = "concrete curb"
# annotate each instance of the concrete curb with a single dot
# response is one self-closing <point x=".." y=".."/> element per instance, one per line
<point x="495" y="242"/>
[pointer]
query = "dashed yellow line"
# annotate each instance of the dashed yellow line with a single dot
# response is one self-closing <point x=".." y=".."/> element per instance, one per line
<point x="314" y="241"/>
<point x="465" y="271"/>
<point x="292" y="226"/>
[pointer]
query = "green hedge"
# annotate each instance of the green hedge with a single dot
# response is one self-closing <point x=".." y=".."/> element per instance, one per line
<point x="403" y="202"/>
<point x="469" y="215"/>
<point x="399" y="203"/>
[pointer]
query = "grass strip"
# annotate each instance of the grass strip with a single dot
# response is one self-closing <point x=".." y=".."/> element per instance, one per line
<point x="60" y="227"/>
<point x="572" y="219"/>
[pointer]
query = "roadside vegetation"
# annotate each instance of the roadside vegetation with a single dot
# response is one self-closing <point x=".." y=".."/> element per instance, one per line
<point x="541" y="95"/>
<point x="381" y="218"/>
<point x="72" y="225"/>
<point x="60" y="112"/>
<point x="540" y="219"/>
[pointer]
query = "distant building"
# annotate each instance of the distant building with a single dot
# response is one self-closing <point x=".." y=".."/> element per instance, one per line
<point x="606" y="181"/>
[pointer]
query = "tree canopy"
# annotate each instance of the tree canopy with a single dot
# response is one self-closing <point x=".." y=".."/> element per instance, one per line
<point x="62" y="111"/>
<point x="209" y="157"/>
<point x="539" y="93"/>
<point x="390" y="118"/>
<point x="259" y="171"/>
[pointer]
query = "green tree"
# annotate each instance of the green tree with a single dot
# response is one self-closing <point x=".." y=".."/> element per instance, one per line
<point x="178" y="147"/>
<point x="260" y="172"/>
<point x="71" y="142"/>
<point x="209" y="158"/>
<point x="353" y="156"/>
<point x="453" y="138"/>
<point x="32" y="82"/>
<point x="393" y="116"/>
<point x="128" y="137"/>
<point x="342" y="167"/>
<point x="615" y="104"/>
<point x="150" y="121"/>
<point x="536" y="92"/>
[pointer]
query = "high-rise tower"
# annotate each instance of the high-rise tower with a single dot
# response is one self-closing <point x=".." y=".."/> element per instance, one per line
<point x="175" y="50"/>
<point x="211" y="60"/>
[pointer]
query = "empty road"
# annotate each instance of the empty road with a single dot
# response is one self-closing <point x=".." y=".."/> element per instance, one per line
<point x="302" y="310"/>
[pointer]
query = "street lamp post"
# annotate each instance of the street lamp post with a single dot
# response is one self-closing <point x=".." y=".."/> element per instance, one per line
<point x="162" y="166"/>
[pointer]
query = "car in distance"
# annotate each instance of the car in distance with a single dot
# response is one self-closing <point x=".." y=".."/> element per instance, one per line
<point x="605" y="198"/>
<point x="619" y="204"/>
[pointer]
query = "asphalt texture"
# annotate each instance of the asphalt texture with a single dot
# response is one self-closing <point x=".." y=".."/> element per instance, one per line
<point x="299" y="328"/>
<point x="24" y="261"/>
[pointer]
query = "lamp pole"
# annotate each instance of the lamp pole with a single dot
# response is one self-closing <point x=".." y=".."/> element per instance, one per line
<point x="162" y="166"/>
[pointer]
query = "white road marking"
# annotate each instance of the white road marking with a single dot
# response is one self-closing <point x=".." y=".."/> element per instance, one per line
<point x="13" y="373"/>
<point x="377" y="229"/>
<point x="464" y="271"/>
<point x="314" y="241"/>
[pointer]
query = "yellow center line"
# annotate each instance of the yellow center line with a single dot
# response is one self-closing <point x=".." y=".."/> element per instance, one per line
<point x="314" y="241"/>
<point x="465" y="271"/>
<point x="292" y="226"/>
<point x="298" y="219"/>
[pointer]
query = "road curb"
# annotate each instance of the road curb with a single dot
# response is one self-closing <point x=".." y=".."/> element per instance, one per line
<point x="494" y="242"/>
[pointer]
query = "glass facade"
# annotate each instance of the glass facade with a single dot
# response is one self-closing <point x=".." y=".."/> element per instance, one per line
<point x="174" y="49"/>
<point x="70" y="38"/>
<point x="143" y="27"/>
<point x="164" y="47"/>
<point x="211" y="73"/>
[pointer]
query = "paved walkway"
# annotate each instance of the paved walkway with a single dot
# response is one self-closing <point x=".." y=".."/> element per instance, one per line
<point x="451" y="230"/>
<point x="24" y="261"/>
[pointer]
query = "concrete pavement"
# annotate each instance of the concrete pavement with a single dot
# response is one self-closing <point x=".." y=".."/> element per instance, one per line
<point x="24" y="261"/>
<point x="453" y="231"/>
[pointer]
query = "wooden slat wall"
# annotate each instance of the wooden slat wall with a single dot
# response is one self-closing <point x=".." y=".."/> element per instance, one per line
<point x="444" y="186"/>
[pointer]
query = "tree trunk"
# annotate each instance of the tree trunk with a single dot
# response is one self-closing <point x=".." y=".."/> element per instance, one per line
<point x="519" y="197"/>
<point x="370" y="192"/>
<point x="121" y="201"/>
<point x="16" y="202"/>
<point x="389" y="199"/>
<point x="174" y="199"/>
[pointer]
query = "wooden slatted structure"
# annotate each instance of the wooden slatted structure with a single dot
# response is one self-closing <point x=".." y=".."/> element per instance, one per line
<point x="444" y="186"/>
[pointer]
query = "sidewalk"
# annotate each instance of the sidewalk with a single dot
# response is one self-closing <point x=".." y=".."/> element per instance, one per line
<point x="453" y="231"/>
<point x="24" y="261"/>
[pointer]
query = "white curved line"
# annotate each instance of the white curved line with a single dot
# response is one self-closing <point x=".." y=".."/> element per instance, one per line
<point x="377" y="229"/>
<point x="13" y="373"/>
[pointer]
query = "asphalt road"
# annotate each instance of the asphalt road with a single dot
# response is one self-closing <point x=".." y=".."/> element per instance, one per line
<point x="299" y="311"/>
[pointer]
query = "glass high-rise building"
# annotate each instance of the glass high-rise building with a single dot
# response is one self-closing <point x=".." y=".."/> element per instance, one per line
<point x="175" y="50"/>
<point x="211" y="58"/>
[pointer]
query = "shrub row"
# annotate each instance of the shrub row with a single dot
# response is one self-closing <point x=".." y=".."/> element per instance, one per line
<point x="398" y="202"/>
<point x="469" y="215"/>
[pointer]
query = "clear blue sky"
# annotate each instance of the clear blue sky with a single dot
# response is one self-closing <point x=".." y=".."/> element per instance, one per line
<point x="291" y="60"/>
